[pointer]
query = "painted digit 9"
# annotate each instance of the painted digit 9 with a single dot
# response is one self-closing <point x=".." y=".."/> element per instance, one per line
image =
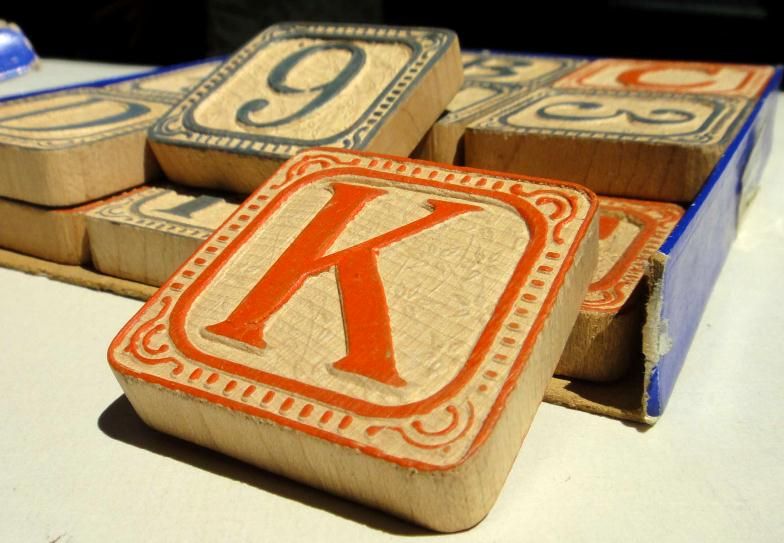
<point x="326" y="91"/>
<point x="594" y="111"/>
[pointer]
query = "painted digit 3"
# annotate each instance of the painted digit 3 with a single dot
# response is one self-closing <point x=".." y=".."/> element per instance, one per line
<point x="326" y="91"/>
<point x="596" y="111"/>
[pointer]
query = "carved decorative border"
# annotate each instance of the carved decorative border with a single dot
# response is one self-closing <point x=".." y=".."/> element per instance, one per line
<point x="144" y="348"/>
<point x="136" y="87"/>
<point x="751" y="86"/>
<point x="127" y="210"/>
<point x="38" y="143"/>
<point x="656" y="220"/>
<point x="728" y="114"/>
<point x="505" y="91"/>
<point x="179" y="126"/>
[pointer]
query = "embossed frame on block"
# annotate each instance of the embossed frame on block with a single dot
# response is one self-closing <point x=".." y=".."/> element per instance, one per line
<point x="150" y="346"/>
<point x="122" y="211"/>
<point x="503" y="90"/>
<point x="656" y="221"/>
<point x="728" y="114"/>
<point x="136" y="86"/>
<point x="752" y="85"/>
<point x="38" y="143"/>
<point x="428" y="46"/>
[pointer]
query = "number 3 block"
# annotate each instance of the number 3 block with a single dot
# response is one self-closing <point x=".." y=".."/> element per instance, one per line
<point x="303" y="85"/>
<point x="377" y="327"/>
<point x="658" y="146"/>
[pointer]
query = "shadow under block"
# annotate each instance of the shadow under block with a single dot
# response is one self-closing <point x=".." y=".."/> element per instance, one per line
<point x="297" y="86"/>
<point x="171" y="85"/>
<point x="670" y="76"/>
<point x="147" y="235"/>
<point x="71" y="147"/>
<point x="490" y="79"/>
<point x="608" y="333"/>
<point x="642" y="145"/>
<point x="380" y="328"/>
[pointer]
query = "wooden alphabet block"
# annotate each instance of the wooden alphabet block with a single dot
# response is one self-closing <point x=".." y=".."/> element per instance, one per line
<point x="171" y="85"/>
<point x="670" y="76"/>
<point x="71" y="147"/>
<point x="303" y="85"/>
<point x="58" y="235"/>
<point x="644" y="145"/>
<point x="53" y="234"/>
<point x="608" y="334"/>
<point x="147" y="235"/>
<point x="490" y="80"/>
<point x="374" y="326"/>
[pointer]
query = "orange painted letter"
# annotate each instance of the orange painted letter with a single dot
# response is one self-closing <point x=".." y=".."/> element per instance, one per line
<point x="369" y="349"/>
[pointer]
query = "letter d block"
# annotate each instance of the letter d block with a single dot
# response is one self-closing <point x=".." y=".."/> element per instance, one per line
<point x="297" y="86"/>
<point x="71" y="147"/>
<point x="377" y="327"/>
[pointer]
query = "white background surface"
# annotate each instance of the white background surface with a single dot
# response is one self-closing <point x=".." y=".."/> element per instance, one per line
<point x="76" y="464"/>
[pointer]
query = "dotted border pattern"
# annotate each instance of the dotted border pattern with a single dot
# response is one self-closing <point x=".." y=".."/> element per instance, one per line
<point x="733" y="111"/>
<point x="119" y="211"/>
<point x="66" y="143"/>
<point x="666" y="216"/>
<point x="758" y="76"/>
<point x="488" y="379"/>
<point x="135" y="87"/>
<point x="506" y="91"/>
<point x="172" y="129"/>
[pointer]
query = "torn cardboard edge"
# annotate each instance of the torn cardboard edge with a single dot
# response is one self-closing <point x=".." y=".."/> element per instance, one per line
<point x="75" y="275"/>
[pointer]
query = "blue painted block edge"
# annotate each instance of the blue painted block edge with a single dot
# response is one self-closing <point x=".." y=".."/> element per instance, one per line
<point x="692" y="257"/>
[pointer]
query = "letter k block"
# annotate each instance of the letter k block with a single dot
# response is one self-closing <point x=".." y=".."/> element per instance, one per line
<point x="379" y="327"/>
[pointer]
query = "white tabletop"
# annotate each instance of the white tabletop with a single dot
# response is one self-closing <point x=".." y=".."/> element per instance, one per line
<point x="57" y="73"/>
<point x="76" y="464"/>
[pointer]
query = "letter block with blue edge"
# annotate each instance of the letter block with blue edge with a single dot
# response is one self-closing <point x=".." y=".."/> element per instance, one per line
<point x="606" y="340"/>
<point x="71" y="147"/>
<point x="671" y="76"/>
<point x="375" y="326"/>
<point x="302" y="85"/>
<point x="146" y="235"/>
<point x="650" y="145"/>
<point x="491" y="79"/>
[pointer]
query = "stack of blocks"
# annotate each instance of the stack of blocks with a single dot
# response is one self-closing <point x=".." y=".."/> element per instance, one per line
<point x="62" y="153"/>
<point x="360" y="312"/>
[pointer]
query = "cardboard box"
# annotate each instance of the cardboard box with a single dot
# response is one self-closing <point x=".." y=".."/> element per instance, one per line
<point x="681" y="277"/>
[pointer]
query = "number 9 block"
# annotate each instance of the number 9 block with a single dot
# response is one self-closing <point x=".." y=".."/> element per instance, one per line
<point x="302" y="85"/>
